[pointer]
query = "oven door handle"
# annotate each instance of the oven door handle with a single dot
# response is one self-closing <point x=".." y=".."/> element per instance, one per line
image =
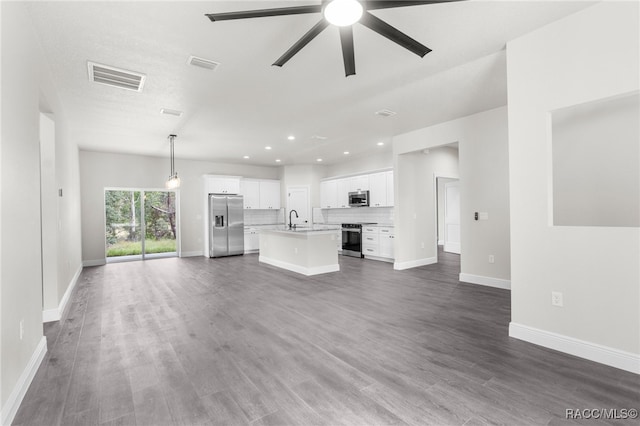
<point x="351" y="230"/>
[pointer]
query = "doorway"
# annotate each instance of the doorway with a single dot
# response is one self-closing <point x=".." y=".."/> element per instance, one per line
<point x="140" y="224"/>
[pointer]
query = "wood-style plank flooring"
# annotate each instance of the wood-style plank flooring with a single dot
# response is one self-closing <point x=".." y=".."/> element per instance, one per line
<point x="232" y="342"/>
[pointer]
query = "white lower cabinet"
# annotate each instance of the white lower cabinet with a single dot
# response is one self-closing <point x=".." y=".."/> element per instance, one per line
<point x="251" y="241"/>
<point x="386" y="242"/>
<point x="377" y="242"/>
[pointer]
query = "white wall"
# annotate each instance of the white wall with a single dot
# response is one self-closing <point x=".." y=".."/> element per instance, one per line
<point x="483" y="172"/>
<point x="297" y="175"/>
<point x="590" y="55"/>
<point x="376" y="161"/>
<point x="26" y="87"/>
<point x="103" y="170"/>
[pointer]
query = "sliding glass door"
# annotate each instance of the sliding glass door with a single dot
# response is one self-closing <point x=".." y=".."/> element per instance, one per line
<point x="140" y="224"/>
<point x="160" y="223"/>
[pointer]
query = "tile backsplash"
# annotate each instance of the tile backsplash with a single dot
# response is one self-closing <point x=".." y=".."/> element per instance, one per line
<point x="263" y="217"/>
<point x="381" y="215"/>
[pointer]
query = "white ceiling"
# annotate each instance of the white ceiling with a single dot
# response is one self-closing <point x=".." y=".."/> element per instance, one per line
<point x="246" y="104"/>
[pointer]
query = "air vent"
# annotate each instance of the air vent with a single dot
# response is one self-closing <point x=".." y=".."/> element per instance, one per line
<point x="385" y="113"/>
<point x="202" y="63"/>
<point x="116" y="77"/>
<point x="168" y="111"/>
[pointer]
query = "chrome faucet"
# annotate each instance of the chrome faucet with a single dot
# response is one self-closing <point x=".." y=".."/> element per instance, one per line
<point x="292" y="211"/>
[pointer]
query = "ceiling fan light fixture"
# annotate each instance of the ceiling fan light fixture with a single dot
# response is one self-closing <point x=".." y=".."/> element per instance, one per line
<point x="343" y="13"/>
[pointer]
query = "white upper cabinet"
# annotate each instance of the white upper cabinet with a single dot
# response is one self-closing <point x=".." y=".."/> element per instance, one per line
<point x="378" y="189"/>
<point x="250" y="189"/>
<point x="328" y="194"/>
<point x="390" y="192"/>
<point x="260" y="194"/>
<point x="343" y="188"/>
<point x="334" y="193"/>
<point x="222" y="184"/>
<point x="381" y="189"/>
<point x="359" y="183"/>
<point x="269" y="194"/>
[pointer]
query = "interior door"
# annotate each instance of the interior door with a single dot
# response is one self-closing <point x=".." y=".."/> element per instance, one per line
<point x="298" y="200"/>
<point x="452" y="217"/>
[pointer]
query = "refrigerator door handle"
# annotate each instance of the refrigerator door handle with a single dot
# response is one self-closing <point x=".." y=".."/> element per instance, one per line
<point x="219" y="221"/>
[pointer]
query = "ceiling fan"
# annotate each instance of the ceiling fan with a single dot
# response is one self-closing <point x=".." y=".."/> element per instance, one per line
<point x="343" y="14"/>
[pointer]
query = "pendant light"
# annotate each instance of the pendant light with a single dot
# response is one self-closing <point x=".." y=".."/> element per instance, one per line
<point x="174" y="181"/>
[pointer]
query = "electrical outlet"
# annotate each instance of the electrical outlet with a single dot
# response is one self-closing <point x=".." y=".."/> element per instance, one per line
<point x="21" y="329"/>
<point x="556" y="298"/>
<point x="421" y="245"/>
<point x="295" y="250"/>
<point x="492" y="259"/>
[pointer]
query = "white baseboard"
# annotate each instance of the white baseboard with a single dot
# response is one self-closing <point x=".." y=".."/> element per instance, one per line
<point x="55" y="314"/>
<point x="592" y="351"/>
<point x="191" y="253"/>
<point x="316" y="270"/>
<point x="399" y="266"/>
<point x="10" y="408"/>
<point x="381" y="259"/>
<point x="488" y="281"/>
<point x="440" y="242"/>
<point x="94" y="262"/>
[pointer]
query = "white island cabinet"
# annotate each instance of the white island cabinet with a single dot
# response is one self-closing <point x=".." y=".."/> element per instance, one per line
<point x="308" y="251"/>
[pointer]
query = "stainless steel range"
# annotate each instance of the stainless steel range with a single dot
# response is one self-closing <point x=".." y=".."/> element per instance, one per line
<point x="352" y="239"/>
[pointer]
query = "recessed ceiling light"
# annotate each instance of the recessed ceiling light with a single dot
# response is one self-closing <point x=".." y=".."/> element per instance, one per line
<point x="318" y="137"/>
<point x="319" y="160"/>
<point x="246" y="157"/>
<point x="291" y="137"/>
<point x="380" y="143"/>
<point x="167" y="111"/>
<point x="346" y="153"/>
<point x="385" y="113"/>
<point x="277" y="160"/>
<point x="267" y="148"/>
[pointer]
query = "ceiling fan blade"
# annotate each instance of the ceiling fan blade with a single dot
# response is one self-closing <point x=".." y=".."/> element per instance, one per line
<point x="346" y="39"/>
<point x="386" y="30"/>
<point x="261" y="13"/>
<point x="386" y="4"/>
<point x="304" y="40"/>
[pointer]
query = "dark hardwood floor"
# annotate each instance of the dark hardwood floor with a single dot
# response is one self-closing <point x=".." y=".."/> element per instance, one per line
<point x="228" y="341"/>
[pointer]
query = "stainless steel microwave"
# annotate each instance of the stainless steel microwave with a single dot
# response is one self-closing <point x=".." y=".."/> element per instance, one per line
<point x="359" y="199"/>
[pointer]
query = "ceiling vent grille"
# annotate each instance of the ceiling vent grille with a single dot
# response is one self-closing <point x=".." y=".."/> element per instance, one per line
<point x="385" y="113"/>
<point x="116" y="77"/>
<point x="168" y="111"/>
<point x="202" y="63"/>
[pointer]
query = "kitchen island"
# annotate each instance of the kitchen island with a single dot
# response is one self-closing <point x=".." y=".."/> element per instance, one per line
<point x="305" y="250"/>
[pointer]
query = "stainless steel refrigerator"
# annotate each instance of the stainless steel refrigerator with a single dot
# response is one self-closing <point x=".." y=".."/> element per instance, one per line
<point x="226" y="225"/>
